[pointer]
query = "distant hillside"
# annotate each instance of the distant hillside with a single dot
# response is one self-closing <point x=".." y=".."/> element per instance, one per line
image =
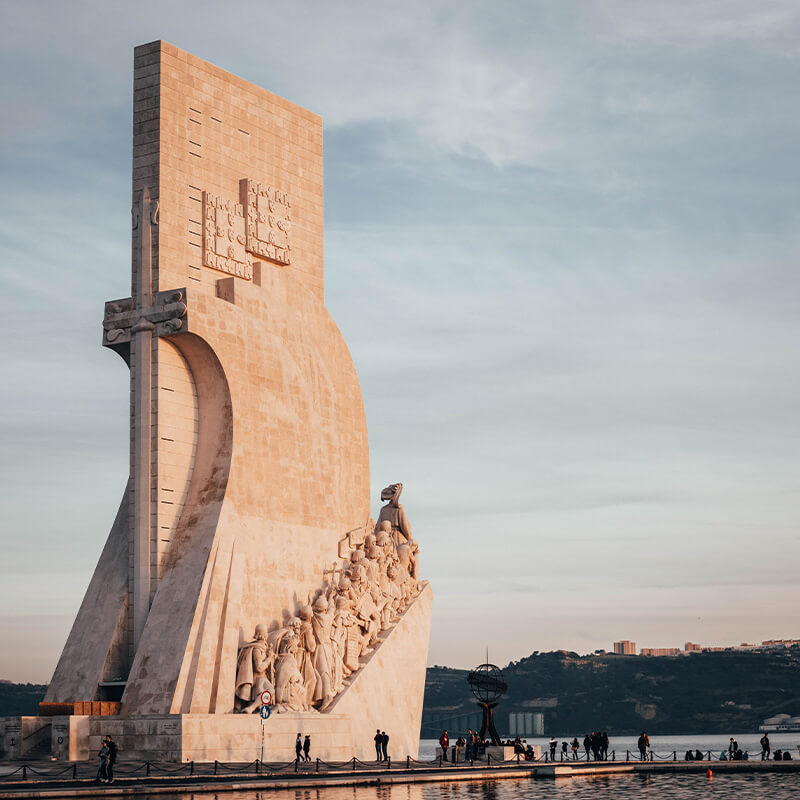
<point x="698" y="693"/>
<point x="20" y="699"/>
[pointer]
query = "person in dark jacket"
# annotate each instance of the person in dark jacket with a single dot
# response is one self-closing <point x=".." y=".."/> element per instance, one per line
<point x="298" y="747"/>
<point x="112" y="757"/>
<point x="378" y="739"/>
<point x="385" y="745"/>
<point x="102" y="770"/>
<point x="307" y="748"/>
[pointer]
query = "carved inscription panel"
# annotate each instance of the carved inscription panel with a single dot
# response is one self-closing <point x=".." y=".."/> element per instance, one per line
<point x="269" y="221"/>
<point x="224" y="237"/>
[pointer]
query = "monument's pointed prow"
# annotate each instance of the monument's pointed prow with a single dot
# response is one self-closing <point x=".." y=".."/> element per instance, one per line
<point x="249" y="458"/>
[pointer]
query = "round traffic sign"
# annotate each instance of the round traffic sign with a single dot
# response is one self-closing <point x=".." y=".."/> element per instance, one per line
<point x="266" y="697"/>
<point x="265" y="712"/>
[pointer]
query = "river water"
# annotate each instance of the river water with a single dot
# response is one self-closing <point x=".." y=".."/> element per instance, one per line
<point x="758" y="786"/>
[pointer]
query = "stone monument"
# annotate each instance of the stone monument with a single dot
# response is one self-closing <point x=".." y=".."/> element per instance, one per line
<point x="243" y="559"/>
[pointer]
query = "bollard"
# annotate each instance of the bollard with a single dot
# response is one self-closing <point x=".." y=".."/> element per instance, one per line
<point x="488" y="759"/>
<point x="258" y="766"/>
<point x="191" y="767"/>
<point x="408" y="762"/>
<point x="317" y="765"/>
<point x="24" y="772"/>
<point x="215" y="767"/>
<point x="517" y="759"/>
<point x="74" y="772"/>
<point x="627" y="755"/>
<point x="388" y="762"/>
<point x="709" y="755"/>
<point x="613" y="755"/>
<point x="147" y="768"/>
<point x="354" y="763"/>
<point x="674" y="755"/>
<point x="440" y="761"/>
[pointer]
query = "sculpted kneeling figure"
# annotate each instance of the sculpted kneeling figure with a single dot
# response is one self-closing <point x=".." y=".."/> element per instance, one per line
<point x="254" y="672"/>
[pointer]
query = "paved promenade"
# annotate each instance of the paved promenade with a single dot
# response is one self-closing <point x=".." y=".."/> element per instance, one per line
<point x="42" y="780"/>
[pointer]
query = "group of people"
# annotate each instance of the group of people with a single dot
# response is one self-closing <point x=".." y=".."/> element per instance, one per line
<point x="108" y="757"/>
<point x="302" y="748"/>
<point x="305" y="664"/>
<point x="471" y="745"/>
<point x="595" y="745"/>
<point x="381" y="739"/>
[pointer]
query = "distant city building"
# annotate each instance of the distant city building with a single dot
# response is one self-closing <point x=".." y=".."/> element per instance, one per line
<point x="525" y="723"/>
<point x="781" y="643"/>
<point x="625" y="648"/>
<point x="660" y="651"/>
<point x="691" y="647"/>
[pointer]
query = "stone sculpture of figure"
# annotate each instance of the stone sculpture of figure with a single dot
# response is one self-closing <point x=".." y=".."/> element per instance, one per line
<point x="345" y="637"/>
<point x="289" y="686"/>
<point x="306" y="651"/>
<point x="392" y="605"/>
<point x="322" y="627"/>
<point x="254" y="672"/>
<point x="394" y="514"/>
<point x="386" y="545"/>
<point x="372" y="565"/>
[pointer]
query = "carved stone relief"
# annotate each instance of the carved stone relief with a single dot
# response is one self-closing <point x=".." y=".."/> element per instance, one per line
<point x="168" y="314"/>
<point x="224" y="237"/>
<point x="360" y="598"/>
<point x="269" y="221"/>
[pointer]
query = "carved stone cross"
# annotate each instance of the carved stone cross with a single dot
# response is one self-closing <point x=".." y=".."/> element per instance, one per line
<point x="129" y="326"/>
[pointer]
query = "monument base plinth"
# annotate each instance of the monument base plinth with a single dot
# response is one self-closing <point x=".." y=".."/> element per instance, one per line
<point x="224" y="737"/>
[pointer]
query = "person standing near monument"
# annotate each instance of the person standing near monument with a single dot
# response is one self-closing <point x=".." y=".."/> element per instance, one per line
<point x="444" y="741"/>
<point x="385" y="745"/>
<point x="553" y="745"/>
<point x="298" y="747"/>
<point x="112" y="757"/>
<point x="765" y="748"/>
<point x="307" y="748"/>
<point x="102" y="770"/>
<point x="378" y="739"/>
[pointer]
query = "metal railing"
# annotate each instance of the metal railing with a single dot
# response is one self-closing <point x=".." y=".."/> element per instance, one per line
<point x="87" y="771"/>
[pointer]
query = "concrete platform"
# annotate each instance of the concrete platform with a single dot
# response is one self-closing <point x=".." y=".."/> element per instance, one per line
<point x="283" y="776"/>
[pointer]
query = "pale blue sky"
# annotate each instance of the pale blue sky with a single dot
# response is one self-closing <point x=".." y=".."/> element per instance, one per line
<point x="562" y="244"/>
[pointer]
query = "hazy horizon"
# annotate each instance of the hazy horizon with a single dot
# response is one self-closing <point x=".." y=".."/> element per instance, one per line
<point x="561" y="244"/>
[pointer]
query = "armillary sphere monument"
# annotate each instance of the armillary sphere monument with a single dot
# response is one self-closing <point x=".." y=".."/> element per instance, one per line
<point x="243" y="568"/>
<point x="487" y="686"/>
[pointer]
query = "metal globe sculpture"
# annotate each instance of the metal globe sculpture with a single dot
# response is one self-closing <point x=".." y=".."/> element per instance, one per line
<point x="487" y="686"/>
<point x="486" y="683"/>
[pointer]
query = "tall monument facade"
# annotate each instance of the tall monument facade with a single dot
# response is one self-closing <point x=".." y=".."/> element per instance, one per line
<point x="248" y="504"/>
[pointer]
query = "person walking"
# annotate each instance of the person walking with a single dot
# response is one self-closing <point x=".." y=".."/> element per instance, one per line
<point x="112" y="758"/>
<point x="732" y="748"/>
<point x="298" y="747"/>
<point x="307" y="748"/>
<point x="643" y="743"/>
<point x="575" y="747"/>
<point x="765" y="748"/>
<point x="444" y="743"/>
<point x="470" y="744"/>
<point x="378" y="739"/>
<point x="553" y="745"/>
<point x="385" y="745"/>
